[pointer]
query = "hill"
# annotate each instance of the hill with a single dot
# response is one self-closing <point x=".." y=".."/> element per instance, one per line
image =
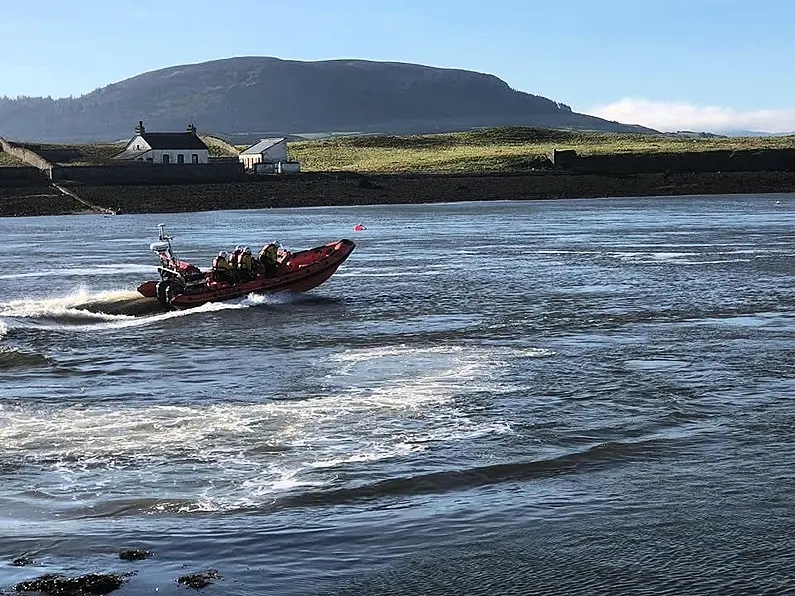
<point x="248" y="97"/>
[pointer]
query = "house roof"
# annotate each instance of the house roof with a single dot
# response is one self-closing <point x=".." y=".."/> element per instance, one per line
<point x="173" y="140"/>
<point x="262" y="145"/>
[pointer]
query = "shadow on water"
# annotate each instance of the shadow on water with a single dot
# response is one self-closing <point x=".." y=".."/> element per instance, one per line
<point x="135" y="307"/>
<point x="596" y="457"/>
<point x="17" y="358"/>
<point x="142" y="306"/>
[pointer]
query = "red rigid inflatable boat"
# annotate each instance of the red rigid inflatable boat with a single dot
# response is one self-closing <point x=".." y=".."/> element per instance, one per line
<point x="182" y="285"/>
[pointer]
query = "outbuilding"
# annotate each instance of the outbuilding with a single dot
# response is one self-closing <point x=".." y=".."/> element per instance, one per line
<point x="165" y="147"/>
<point x="269" y="156"/>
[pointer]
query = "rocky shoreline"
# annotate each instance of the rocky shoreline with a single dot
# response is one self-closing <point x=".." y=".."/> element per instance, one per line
<point x="339" y="189"/>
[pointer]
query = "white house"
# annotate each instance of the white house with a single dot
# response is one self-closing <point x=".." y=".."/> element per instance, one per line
<point x="165" y="147"/>
<point x="270" y="154"/>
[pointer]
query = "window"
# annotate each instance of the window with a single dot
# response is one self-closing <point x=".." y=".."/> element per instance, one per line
<point x="180" y="158"/>
<point x="194" y="158"/>
<point x="166" y="158"/>
<point x="149" y="159"/>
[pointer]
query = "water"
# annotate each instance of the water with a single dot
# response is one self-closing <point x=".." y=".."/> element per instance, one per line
<point x="575" y="397"/>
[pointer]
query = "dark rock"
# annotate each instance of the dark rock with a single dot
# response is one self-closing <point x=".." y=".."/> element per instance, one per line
<point x="52" y="584"/>
<point x="199" y="579"/>
<point x="365" y="183"/>
<point x="134" y="554"/>
<point x="22" y="561"/>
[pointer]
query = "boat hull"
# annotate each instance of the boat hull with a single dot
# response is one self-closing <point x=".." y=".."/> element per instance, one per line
<point x="302" y="272"/>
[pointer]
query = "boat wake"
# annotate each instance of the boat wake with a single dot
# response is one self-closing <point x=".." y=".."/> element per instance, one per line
<point x="81" y="306"/>
<point x="85" y="310"/>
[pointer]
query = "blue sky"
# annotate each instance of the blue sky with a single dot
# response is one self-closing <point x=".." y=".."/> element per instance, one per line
<point x="705" y="64"/>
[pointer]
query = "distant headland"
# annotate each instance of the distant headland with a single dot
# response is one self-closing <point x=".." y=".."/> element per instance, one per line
<point x="250" y="97"/>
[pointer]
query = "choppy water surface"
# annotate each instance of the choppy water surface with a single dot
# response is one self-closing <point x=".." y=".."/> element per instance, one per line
<point x="576" y="397"/>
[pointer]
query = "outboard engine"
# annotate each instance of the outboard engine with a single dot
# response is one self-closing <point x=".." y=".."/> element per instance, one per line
<point x="165" y="292"/>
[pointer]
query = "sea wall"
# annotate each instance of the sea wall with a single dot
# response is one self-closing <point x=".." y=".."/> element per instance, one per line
<point x="768" y="160"/>
<point x="333" y="190"/>
<point x="143" y="173"/>
<point x="20" y="176"/>
<point x="52" y="154"/>
<point x="304" y="190"/>
<point x="25" y="155"/>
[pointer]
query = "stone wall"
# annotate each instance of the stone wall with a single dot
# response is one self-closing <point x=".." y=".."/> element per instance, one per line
<point x="145" y="173"/>
<point x="21" y="176"/>
<point x="25" y="155"/>
<point x="52" y="153"/>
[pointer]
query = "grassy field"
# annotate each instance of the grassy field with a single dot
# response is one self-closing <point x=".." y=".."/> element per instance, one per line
<point x="7" y="159"/>
<point x="489" y="149"/>
<point x="497" y="149"/>
<point x="76" y="154"/>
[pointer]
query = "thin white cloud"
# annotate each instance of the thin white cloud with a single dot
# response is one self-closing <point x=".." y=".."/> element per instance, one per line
<point x="671" y="116"/>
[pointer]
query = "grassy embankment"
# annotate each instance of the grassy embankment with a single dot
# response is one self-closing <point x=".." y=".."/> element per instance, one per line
<point x="497" y="149"/>
<point x="8" y="160"/>
<point x="75" y="154"/>
<point x="87" y="154"/>
<point x="485" y="150"/>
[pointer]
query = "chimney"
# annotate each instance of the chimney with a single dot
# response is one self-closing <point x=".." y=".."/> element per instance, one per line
<point x="191" y="129"/>
<point x="139" y="130"/>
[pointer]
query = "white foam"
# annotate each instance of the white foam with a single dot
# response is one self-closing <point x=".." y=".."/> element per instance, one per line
<point x="377" y="453"/>
<point x="125" y="322"/>
<point x="242" y="454"/>
<point x="3" y="329"/>
<point x="59" y="305"/>
<point x="535" y="353"/>
<point x="255" y="299"/>
<point x="73" y="307"/>
<point x="364" y="354"/>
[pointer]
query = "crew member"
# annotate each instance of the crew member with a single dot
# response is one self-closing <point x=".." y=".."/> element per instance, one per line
<point x="267" y="258"/>
<point x="234" y="257"/>
<point x="245" y="264"/>
<point x="222" y="270"/>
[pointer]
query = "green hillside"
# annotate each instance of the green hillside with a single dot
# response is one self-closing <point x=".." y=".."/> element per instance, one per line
<point x="257" y="96"/>
<point x="497" y="149"/>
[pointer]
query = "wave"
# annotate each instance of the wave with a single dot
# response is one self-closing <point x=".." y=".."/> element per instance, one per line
<point x="16" y="358"/>
<point x="114" y="309"/>
<point x="711" y="257"/>
<point x="591" y="459"/>
<point x="281" y="495"/>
